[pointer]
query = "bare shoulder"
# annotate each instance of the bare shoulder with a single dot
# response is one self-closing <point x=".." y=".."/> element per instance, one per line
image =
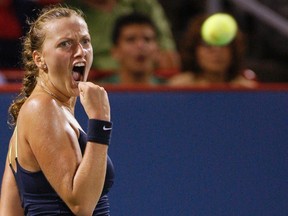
<point x="39" y="104"/>
<point x="48" y="135"/>
<point x="40" y="108"/>
<point x="242" y="81"/>
<point x="41" y="113"/>
<point x="182" y="79"/>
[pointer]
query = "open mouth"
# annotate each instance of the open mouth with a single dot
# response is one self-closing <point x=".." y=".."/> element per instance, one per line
<point x="78" y="71"/>
<point x="140" y="58"/>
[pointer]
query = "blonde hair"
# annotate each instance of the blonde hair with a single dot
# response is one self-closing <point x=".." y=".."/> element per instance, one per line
<point x="34" y="40"/>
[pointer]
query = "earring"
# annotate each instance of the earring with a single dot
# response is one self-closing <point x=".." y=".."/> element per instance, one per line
<point x="44" y="67"/>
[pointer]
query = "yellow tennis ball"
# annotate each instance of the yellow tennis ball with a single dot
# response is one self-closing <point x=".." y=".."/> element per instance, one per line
<point x="219" y="29"/>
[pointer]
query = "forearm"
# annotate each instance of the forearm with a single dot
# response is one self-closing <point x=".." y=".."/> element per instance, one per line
<point x="88" y="181"/>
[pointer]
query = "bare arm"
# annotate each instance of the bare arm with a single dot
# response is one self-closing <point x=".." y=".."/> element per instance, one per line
<point x="77" y="180"/>
<point x="10" y="204"/>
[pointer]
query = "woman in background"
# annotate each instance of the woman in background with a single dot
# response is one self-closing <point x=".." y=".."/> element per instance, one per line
<point x="204" y="64"/>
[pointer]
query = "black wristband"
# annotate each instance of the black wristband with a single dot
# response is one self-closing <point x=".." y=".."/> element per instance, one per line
<point x="99" y="131"/>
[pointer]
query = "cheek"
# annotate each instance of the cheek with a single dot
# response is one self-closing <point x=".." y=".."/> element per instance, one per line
<point x="227" y="55"/>
<point x="153" y="48"/>
<point x="58" y="59"/>
<point x="126" y="54"/>
<point x="89" y="57"/>
<point x="201" y="57"/>
<point x="58" y="64"/>
<point x="128" y="50"/>
<point x="89" y="51"/>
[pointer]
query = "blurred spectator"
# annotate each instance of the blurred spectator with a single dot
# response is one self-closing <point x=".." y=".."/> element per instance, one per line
<point x="101" y="15"/>
<point x="135" y="48"/>
<point x="10" y="33"/>
<point x="180" y="12"/>
<point x="13" y="25"/>
<point x="204" y="64"/>
<point x="268" y="48"/>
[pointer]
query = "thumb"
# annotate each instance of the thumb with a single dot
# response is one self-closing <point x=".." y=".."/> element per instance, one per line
<point x="81" y="87"/>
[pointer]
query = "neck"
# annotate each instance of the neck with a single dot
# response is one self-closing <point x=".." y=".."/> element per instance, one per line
<point x="57" y="95"/>
<point x="212" y="77"/>
<point x="135" y="77"/>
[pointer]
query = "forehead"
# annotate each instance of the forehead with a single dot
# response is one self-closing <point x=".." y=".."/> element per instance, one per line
<point x="66" y="27"/>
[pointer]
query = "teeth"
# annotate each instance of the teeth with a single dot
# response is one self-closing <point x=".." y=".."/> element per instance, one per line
<point x="80" y="64"/>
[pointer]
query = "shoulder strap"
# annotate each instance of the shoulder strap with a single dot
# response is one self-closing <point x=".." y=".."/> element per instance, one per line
<point x="16" y="145"/>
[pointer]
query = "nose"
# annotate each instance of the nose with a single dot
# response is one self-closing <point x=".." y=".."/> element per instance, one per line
<point x="80" y="51"/>
<point x="140" y="43"/>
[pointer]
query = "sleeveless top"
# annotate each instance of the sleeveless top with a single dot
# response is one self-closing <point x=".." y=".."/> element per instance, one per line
<point x="39" y="198"/>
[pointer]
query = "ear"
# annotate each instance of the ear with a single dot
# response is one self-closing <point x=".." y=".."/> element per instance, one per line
<point x="39" y="60"/>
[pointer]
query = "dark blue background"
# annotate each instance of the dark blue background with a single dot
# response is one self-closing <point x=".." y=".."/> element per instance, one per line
<point x="194" y="153"/>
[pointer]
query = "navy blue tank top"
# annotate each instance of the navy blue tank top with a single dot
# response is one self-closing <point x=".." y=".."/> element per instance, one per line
<point x="39" y="198"/>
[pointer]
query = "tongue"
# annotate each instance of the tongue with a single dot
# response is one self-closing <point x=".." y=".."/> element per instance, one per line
<point x="76" y="76"/>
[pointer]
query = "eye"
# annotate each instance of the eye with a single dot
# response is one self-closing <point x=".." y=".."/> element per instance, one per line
<point x="130" y="39"/>
<point x="149" y="39"/>
<point x="65" y="44"/>
<point x="85" y="42"/>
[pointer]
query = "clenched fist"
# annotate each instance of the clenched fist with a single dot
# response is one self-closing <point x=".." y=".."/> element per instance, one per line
<point x="94" y="100"/>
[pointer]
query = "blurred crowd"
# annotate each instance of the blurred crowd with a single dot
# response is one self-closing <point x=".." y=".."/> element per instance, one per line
<point x="158" y="42"/>
<point x="266" y="47"/>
